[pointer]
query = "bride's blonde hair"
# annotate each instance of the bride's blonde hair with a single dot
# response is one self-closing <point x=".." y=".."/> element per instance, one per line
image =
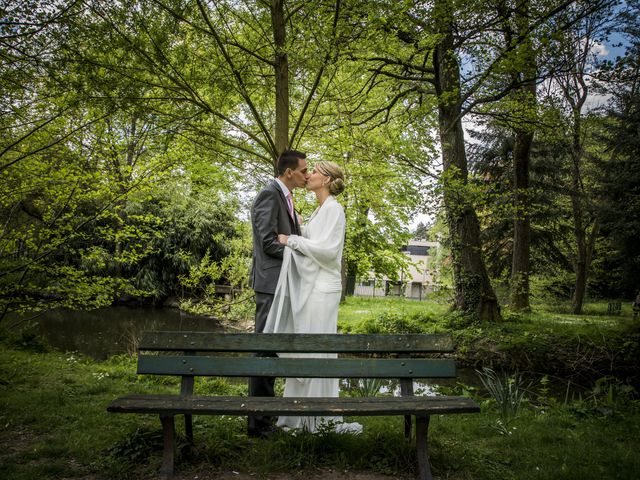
<point x="334" y="172"/>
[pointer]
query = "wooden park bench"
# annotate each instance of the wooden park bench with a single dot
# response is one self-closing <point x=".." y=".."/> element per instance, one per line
<point x="191" y="354"/>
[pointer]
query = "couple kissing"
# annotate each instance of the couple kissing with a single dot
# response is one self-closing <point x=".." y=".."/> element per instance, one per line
<point x="296" y="276"/>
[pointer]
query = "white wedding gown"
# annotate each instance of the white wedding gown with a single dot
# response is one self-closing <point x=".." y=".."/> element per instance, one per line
<point x="306" y="300"/>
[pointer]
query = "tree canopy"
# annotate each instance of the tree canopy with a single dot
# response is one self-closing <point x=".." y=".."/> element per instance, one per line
<point x="134" y="134"/>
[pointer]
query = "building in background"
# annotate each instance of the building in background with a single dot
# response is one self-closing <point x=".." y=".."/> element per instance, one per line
<point x="417" y="281"/>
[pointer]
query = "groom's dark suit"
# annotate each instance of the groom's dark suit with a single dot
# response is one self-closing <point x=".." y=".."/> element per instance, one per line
<point x="269" y="217"/>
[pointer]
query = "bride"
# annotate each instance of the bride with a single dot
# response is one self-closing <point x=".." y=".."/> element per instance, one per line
<point x="309" y="288"/>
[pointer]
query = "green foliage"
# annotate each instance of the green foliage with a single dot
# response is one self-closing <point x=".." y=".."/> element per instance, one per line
<point x="610" y="395"/>
<point x="218" y="286"/>
<point x="84" y="229"/>
<point x="508" y="392"/>
<point x="113" y="187"/>
<point x="365" y="387"/>
<point x="26" y="339"/>
<point x="619" y="267"/>
<point x="196" y="232"/>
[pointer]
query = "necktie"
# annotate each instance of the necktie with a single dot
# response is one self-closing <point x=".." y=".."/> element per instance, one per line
<point x="290" y="205"/>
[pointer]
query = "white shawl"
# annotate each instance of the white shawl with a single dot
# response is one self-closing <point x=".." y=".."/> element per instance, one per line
<point x="312" y="262"/>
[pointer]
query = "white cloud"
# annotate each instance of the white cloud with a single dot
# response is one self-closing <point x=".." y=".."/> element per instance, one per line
<point x="599" y="49"/>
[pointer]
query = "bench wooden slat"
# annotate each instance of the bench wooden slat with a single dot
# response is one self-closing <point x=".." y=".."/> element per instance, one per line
<point x="175" y="404"/>
<point x="313" y="343"/>
<point x="294" y="367"/>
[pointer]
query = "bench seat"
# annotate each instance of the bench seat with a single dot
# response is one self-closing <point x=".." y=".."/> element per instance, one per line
<point x="353" y="406"/>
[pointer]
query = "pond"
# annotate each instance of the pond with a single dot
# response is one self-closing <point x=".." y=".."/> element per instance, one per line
<point x="104" y="332"/>
<point x="108" y="331"/>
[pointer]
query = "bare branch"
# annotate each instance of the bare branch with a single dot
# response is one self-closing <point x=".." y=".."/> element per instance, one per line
<point x="57" y="141"/>
<point x="387" y="108"/>
<point x="238" y="77"/>
<point x="252" y="53"/>
<point x="319" y="74"/>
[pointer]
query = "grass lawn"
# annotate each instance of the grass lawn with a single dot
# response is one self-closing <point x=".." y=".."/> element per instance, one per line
<point x="356" y="309"/>
<point x="54" y="422"/>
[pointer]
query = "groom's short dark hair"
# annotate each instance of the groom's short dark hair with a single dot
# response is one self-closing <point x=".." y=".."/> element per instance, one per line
<point x="289" y="159"/>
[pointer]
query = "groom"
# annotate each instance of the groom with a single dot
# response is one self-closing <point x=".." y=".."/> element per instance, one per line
<point x="272" y="213"/>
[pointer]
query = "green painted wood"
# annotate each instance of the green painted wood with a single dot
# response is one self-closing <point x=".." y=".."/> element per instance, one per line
<point x="279" y="342"/>
<point x="369" y="406"/>
<point x="297" y="367"/>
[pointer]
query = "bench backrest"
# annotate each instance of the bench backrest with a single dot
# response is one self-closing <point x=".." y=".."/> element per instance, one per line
<point x="181" y="353"/>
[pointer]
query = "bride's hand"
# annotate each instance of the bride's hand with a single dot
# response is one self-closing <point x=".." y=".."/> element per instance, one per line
<point x="283" y="239"/>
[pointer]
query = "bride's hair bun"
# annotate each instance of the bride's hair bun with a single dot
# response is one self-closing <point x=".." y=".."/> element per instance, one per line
<point x="336" y="187"/>
<point x="335" y="174"/>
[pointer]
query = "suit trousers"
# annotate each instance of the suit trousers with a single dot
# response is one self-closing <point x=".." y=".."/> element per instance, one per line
<point x="261" y="386"/>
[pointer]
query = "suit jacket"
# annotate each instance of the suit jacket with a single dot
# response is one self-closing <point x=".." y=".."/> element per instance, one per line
<point x="269" y="217"/>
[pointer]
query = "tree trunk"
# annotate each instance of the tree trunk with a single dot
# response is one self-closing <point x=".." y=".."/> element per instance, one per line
<point x="581" y="260"/>
<point x="585" y="243"/>
<point x="520" y="265"/>
<point x="526" y="96"/>
<point x="281" y="67"/>
<point x="580" y="269"/>
<point x="474" y="293"/>
<point x="576" y="90"/>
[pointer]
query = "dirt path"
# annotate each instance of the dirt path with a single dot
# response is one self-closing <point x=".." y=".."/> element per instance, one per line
<point x="22" y="441"/>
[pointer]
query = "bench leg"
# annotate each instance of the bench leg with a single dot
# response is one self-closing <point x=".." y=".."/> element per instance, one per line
<point x="406" y="390"/>
<point x="186" y="389"/>
<point x="188" y="429"/>
<point x="168" y="434"/>
<point x="407" y="427"/>
<point x="422" y="429"/>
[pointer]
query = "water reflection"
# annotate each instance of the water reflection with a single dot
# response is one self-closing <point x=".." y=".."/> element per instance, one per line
<point x="370" y="387"/>
<point x="108" y="331"/>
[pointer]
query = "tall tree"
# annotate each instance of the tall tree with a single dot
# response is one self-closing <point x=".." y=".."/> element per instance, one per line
<point x="231" y="61"/>
<point x="441" y="34"/>
<point x="523" y="75"/>
<point x="574" y="84"/>
<point x="621" y="165"/>
<point x="474" y="292"/>
<point x="135" y="94"/>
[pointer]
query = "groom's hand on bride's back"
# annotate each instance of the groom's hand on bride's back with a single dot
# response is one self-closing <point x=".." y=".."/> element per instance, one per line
<point x="283" y="239"/>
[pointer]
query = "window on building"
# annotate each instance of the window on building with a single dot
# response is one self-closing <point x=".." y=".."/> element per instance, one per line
<point x="417" y="250"/>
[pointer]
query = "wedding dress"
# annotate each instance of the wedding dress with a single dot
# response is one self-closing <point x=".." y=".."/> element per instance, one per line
<point x="306" y="300"/>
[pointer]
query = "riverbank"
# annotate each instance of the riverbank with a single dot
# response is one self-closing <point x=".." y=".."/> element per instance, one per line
<point x="573" y="349"/>
<point x="576" y="350"/>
